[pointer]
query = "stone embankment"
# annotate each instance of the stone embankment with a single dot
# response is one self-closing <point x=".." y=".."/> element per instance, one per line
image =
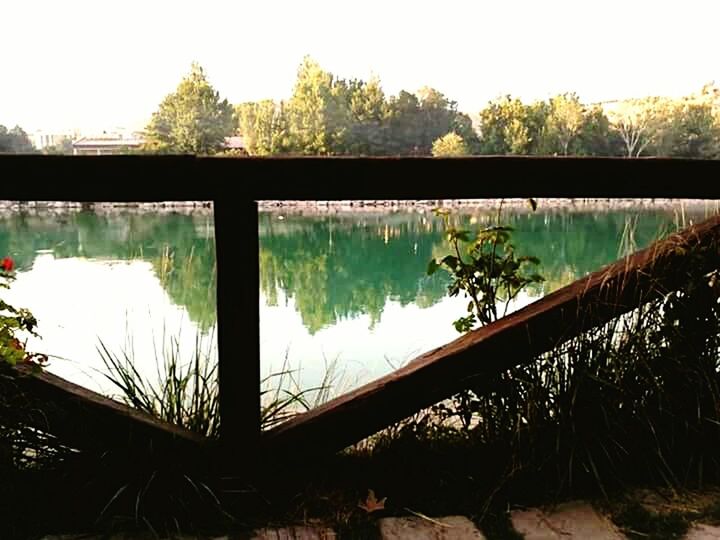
<point x="63" y="207"/>
<point x="365" y="206"/>
<point x="520" y="205"/>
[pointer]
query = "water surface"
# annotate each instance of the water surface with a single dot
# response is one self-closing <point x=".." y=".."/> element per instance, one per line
<point x="340" y="293"/>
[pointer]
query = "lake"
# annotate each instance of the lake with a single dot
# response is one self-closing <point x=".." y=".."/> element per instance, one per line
<point x="343" y="295"/>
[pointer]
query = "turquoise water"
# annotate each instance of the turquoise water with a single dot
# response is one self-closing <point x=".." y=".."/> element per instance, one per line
<point x="345" y="294"/>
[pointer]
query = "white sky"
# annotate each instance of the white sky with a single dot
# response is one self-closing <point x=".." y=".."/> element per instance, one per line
<point x="97" y="65"/>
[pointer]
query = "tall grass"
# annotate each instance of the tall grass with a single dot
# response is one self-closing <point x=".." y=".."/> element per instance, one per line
<point x="186" y="390"/>
<point x="636" y="400"/>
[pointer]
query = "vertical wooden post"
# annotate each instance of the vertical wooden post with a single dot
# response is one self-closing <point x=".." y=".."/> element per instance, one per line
<point x="238" y="311"/>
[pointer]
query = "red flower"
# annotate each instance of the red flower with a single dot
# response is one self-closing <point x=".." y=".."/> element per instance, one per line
<point x="7" y="264"/>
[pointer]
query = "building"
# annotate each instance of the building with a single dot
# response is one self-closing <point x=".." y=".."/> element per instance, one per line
<point x="42" y="140"/>
<point x="112" y="144"/>
<point x="106" y="145"/>
<point x="236" y="143"/>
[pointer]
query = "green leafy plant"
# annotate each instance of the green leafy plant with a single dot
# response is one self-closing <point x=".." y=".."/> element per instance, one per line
<point x="13" y="322"/>
<point x="485" y="267"/>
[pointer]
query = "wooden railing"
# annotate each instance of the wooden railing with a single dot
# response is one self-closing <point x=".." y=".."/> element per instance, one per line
<point x="234" y="186"/>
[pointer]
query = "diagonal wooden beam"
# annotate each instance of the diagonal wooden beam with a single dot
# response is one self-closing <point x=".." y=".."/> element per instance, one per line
<point x="83" y="419"/>
<point x="515" y="339"/>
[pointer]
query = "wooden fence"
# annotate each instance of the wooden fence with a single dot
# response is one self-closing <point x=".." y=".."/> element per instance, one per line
<point x="235" y="186"/>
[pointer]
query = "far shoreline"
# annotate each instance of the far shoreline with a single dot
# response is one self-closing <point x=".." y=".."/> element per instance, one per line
<point x="328" y="207"/>
<point x="513" y="205"/>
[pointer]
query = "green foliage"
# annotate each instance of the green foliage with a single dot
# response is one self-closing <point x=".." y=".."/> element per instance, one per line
<point x="639" y="124"/>
<point x="631" y="402"/>
<point x="264" y="126"/>
<point x="564" y="122"/>
<point x="485" y="267"/>
<point x="488" y="273"/>
<point x="14" y="323"/>
<point x="15" y="141"/>
<point x="328" y="115"/>
<point x="506" y="127"/>
<point x="449" y="145"/>
<point x="192" y="120"/>
<point x="689" y="127"/>
<point x="694" y="131"/>
<point x="315" y="111"/>
<point x="186" y="394"/>
<point x="368" y="130"/>
<point x="597" y="136"/>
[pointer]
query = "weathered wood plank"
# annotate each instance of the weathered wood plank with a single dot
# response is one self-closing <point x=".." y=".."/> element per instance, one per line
<point x="515" y="339"/>
<point x="85" y="419"/>
<point x="238" y="308"/>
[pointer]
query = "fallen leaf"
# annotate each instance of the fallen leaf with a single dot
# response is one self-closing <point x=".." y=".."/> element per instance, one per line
<point x="371" y="504"/>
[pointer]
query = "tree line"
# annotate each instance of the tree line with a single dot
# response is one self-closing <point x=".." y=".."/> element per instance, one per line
<point x="14" y="141"/>
<point x="327" y="115"/>
<point x="17" y="141"/>
<point x="654" y="126"/>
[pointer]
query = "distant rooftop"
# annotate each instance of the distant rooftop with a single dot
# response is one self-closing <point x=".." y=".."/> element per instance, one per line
<point x="107" y="142"/>
<point x="235" y="143"/>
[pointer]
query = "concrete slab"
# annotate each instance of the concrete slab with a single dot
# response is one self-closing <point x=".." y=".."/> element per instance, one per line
<point x="571" y="521"/>
<point x="416" y="528"/>
<point x="703" y="532"/>
<point x="301" y="532"/>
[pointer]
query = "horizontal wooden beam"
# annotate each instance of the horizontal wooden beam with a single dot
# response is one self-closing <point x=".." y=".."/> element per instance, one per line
<point x="515" y="339"/>
<point x="184" y="178"/>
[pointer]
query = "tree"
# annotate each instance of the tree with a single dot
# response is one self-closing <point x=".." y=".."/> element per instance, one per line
<point x="404" y="126"/>
<point x="368" y="130"/>
<point x="694" y="132"/>
<point x="504" y="127"/>
<point x="463" y="126"/>
<point x="15" y="141"/>
<point x="536" y="122"/>
<point x="596" y="137"/>
<point x="564" y="121"/>
<point x="264" y="127"/>
<point x="192" y="120"/>
<point x="450" y="145"/>
<point x="638" y="124"/>
<point x="318" y="115"/>
<point x="437" y="115"/>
